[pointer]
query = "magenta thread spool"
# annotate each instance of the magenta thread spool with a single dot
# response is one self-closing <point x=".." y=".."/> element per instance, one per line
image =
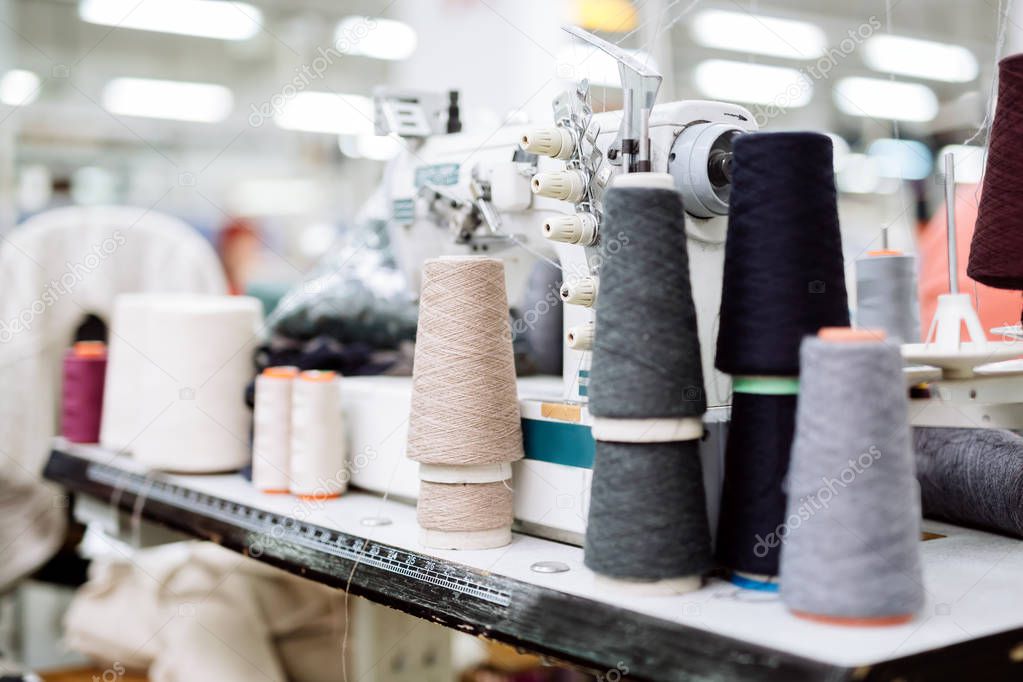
<point x="85" y="367"/>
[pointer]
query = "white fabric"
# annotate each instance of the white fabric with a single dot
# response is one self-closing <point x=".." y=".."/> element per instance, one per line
<point x="58" y="267"/>
<point x="197" y="611"/>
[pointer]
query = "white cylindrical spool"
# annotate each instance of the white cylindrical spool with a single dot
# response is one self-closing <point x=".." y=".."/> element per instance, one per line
<point x="318" y="465"/>
<point x="187" y="376"/>
<point x="271" y="437"/>
<point x="129" y="328"/>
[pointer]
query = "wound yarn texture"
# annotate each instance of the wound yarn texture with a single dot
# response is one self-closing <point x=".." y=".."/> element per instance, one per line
<point x="465" y="407"/>
<point x="852" y="530"/>
<point x="647" y="515"/>
<point x="753" y="498"/>
<point x="646" y="354"/>
<point x="886" y="296"/>
<point x="998" y="237"/>
<point x="464" y="506"/>
<point x="784" y="278"/>
<point x="784" y="274"/>
<point x="972" y="477"/>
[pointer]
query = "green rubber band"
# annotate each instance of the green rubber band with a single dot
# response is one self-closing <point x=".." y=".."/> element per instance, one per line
<point x="766" y="385"/>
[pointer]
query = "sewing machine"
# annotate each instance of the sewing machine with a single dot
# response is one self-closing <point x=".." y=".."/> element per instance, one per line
<point x="525" y="193"/>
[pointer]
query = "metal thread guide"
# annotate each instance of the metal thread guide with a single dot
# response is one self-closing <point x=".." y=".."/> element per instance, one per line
<point x="269" y="528"/>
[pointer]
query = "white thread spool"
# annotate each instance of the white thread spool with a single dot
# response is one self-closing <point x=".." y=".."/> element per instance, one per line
<point x="271" y="441"/>
<point x="181" y="391"/>
<point x="318" y="465"/>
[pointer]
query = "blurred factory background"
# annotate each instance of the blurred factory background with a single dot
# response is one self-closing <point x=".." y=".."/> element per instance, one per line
<point x="253" y="121"/>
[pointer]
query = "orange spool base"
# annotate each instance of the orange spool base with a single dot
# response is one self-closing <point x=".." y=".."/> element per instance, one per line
<point x="319" y="497"/>
<point x="855" y="622"/>
<point x="277" y="491"/>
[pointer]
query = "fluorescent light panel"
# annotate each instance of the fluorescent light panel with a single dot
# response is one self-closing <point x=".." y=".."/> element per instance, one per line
<point x="202" y="18"/>
<point x="752" y="83"/>
<point x="175" y="100"/>
<point x="19" y="87"/>
<point x="326" y="112"/>
<point x="906" y="159"/>
<point x="920" y="59"/>
<point x="876" y="98"/>
<point x="771" y="36"/>
<point x="376" y="38"/>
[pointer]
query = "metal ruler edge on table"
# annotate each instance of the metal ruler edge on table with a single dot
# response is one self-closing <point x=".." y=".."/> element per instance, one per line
<point x="277" y="528"/>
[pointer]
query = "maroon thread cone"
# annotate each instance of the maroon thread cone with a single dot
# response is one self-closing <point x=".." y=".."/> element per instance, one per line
<point x="996" y="251"/>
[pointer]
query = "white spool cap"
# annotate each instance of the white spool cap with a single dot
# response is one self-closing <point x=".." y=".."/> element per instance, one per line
<point x="552" y="141"/>
<point x="567" y="185"/>
<point x="580" y="228"/>
<point x="479" y="473"/>
<point x="581" y="291"/>
<point x="652" y="180"/>
<point x="581" y="337"/>
<point x="465" y="539"/>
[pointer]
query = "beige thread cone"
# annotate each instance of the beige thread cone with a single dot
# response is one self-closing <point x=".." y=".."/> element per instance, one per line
<point x="465" y="407"/>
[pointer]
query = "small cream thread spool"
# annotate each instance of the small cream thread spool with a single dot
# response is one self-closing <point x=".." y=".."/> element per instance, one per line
<point x="271" y="441"/>
<point x="318" y="463"/>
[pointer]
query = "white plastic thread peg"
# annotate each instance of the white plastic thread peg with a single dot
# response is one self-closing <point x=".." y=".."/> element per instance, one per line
<point x="581" y="337"/>
<point x="579" y="228"/>
<point x="552" y="141"/>
<point x="581" y="291"/>
<point x="567" y="185"/>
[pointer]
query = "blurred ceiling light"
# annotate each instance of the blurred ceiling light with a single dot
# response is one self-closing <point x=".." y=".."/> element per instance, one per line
<point x="969" y="162"/>
<point x="906" y="159"/>
<point x="19" y="87"/>
<point x="375" y="37"/>
<point x="280" y="196"/>
<point x="860" y="175"/>
<point x="745" y="32"/>
<point x="175" y="100"/>
<point x="876" y="98"/>
<point x="610" y="16"/>
<point x="326" y="112"/>
<point x="202" y="18"/>
<point x="920" y="58"/>
<point x="373" y="147"/>
<point x="578" y="61"/>
<point x="753" y="83"/>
